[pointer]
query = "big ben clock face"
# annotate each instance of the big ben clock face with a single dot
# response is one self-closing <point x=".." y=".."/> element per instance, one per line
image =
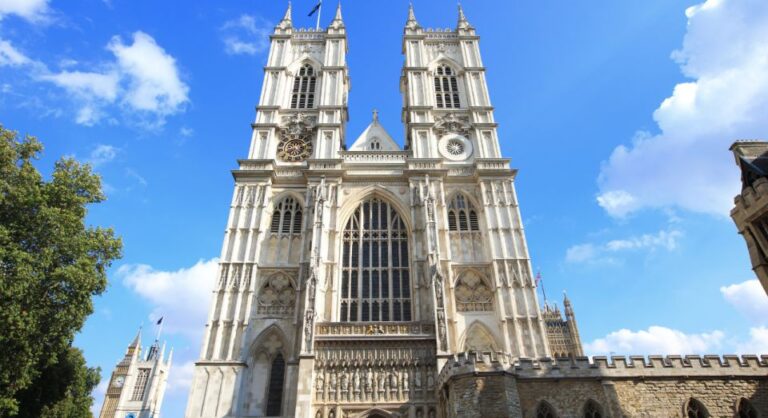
<point x="294" y="149"/>
<point x="119" y="381"/>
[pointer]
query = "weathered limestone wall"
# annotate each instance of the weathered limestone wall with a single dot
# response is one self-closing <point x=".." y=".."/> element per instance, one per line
<point x="494" y="384"/>
<point x="484" y="395"/>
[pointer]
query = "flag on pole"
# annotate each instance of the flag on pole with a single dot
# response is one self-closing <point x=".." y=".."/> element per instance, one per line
<point x="159" y="321"/>
<point x="316" y="8"/>
<point x="538" y="278"/>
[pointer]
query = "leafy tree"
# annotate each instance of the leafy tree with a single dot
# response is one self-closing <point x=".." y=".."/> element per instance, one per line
<point x="51" y="265"/>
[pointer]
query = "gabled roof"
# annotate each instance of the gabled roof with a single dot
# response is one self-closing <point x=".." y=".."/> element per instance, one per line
<point x="374" y="133"/>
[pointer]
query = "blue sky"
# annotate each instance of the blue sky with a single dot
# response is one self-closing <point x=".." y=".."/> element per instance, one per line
<point x="617" y="114"/>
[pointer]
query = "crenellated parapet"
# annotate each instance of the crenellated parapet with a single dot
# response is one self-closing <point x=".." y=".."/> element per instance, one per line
<point x="602" y="367"/>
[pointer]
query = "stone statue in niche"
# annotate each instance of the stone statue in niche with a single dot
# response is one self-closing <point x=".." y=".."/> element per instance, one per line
<point x="356" y="383"/>
<point x="320" y="385"/>
<point x="417" y="379"/>
<point x="430" y="381"/>
<point x="368" y="381"/>
<point x="343" y="381"/>
<point x="333" y="387"/>
<point x="406" y="379"/>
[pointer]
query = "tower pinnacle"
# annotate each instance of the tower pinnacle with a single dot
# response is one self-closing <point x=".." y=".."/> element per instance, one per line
<point x="286" y="22"/>
<point x="463" y="22"/>
<point x="337" y="21"/>
<point x="411" y="23"/>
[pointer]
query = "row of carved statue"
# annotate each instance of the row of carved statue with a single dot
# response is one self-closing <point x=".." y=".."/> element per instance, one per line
<point x="374" y="384"/>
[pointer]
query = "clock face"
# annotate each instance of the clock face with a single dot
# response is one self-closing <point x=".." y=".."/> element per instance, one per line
<point x="119" y="381"/>
<point x="293" y="150"/>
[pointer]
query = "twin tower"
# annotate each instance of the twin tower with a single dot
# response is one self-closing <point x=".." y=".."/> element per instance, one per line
<point x="350" y="275"/>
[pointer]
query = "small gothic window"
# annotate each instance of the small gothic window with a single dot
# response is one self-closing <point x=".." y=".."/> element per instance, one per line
<point x="592" y="410"/>
<point x="275" y="392"/>
<point x="695" y="409"/>
<point x="446" y="88"/>
<point x="462" y="215"/>
<point x="286" y="219"/>
<point x="544" y="410"/>
<point x="746" y="409"/>
<point x="304" y="88"/>
<point x="375" y="145"/>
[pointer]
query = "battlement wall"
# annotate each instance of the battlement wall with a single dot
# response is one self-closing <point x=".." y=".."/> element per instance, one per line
<point x="615" y="367"/>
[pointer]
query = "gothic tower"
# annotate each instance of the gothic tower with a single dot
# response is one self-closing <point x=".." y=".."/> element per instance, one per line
<point x="348" y="276"/>
<point x="137" y="385"/>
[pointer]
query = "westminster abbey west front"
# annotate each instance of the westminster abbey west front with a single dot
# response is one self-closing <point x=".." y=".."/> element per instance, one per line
<point x="370" y="281"/>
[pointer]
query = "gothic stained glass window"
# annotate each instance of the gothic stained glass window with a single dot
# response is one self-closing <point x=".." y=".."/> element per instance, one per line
<point x="544" y="410"/>
<point x="446" y="88"/>
<point x="275" y="392"/>
<point x="286" y="219"/>
<point x="303" y="96"/>
<point x="695" y="409"/>
<point x="746" y="409"/>
<point x="375" y="278"/>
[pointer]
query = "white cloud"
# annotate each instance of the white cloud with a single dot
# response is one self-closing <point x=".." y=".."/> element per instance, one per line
<point x="153" y="79"/>
<point x="182" y="297"/>
<point x="180" y="377"/>
<point x="186" y="132"/>
<point x="580" y="253"/>
<point x="10" y="56"/>
<point x="129" y="172"/>
<point x="102" y="154"/>
<point x="687" y="164"/>
<point x="749" y="299"/>
<point x="757" y="343"/>
<point x="246" y="35"/>
<point x="604" y="253"/>
<point x="87" y="85"/>
<point x="655" y="340"/>
<point x="31" y="10"/>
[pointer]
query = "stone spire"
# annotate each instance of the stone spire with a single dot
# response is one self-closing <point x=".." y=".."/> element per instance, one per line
<point x="411" y="23"/>
<point x="463" y="22"/>
<point x="337" y="21"/>
<point x="286" y="22"/>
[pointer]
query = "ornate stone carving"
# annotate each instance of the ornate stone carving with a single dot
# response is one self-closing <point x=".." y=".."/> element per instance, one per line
<point x="277" y="296"/>
<point x="295" y="137"/>
<point x="473" y="293"/>
<point x="452" y="123"/>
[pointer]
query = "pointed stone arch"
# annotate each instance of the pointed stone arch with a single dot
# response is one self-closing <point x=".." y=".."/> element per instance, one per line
<point x="269" y="348"/>
<point x="545" y="409"/>
<point x="370" y="191"/>
<point x="478" y="337"/>
<point x="271" y="340"/>
<point x="305" y="58"/>
<point x="374" y="413"/>
<point x="444" y="59"/>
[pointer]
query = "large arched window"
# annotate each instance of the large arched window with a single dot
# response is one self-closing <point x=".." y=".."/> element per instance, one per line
<point x="275" y="389"/>
<point x="286" y="219"/>
<point x="695" y="409"/>
<point x="592" y="410"/>
<point x="545" y="410"/>
<point x="746" y="409"/>
<point x="304" y="88"/>
<point x="446" y="88"/>
<point x="375" y="281"/>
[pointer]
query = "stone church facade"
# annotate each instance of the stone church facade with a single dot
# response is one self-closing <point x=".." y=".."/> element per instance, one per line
<point x="375" y="281"/>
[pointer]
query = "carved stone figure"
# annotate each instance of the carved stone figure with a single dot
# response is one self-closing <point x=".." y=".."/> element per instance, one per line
<point x="368" y="381"/>
<point x="430" y="381"/>
<point x="406" y="379"/>
<point x="417" y="379"/>
<point x="332" y="389"/>
<point x="356" y="383"/>
<point x="320" y="384"/>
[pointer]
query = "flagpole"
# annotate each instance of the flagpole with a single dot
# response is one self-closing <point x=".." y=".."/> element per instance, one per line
<point x="319" y="10"/>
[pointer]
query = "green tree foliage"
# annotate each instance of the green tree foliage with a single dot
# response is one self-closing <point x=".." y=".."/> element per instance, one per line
<point x="51" y="265"/>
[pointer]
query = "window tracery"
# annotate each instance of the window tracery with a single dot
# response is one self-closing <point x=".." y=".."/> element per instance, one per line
<point x="695" y="409"/>
<point x="473" y="294"/>
<point x="277" y="296"/>
<point x="286" y="219"/>
<point x="464" y="229"/>
<point x="544" y="410"/>
<point x="375" y="283"/>
<point x="304" y="83"/>
<point x="592" y="410"/>
<point x="446" y="88"/>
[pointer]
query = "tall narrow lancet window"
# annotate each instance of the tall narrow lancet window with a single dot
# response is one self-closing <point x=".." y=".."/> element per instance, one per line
<point x="695" y="409"/>
<point x="303" y="96"/>
<point x="286" y="219"/>
<point x="446" y="88"/>
<point x="375" y="280"/>
<point x="464" y="228"/>
<point x="275" y="390"/>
